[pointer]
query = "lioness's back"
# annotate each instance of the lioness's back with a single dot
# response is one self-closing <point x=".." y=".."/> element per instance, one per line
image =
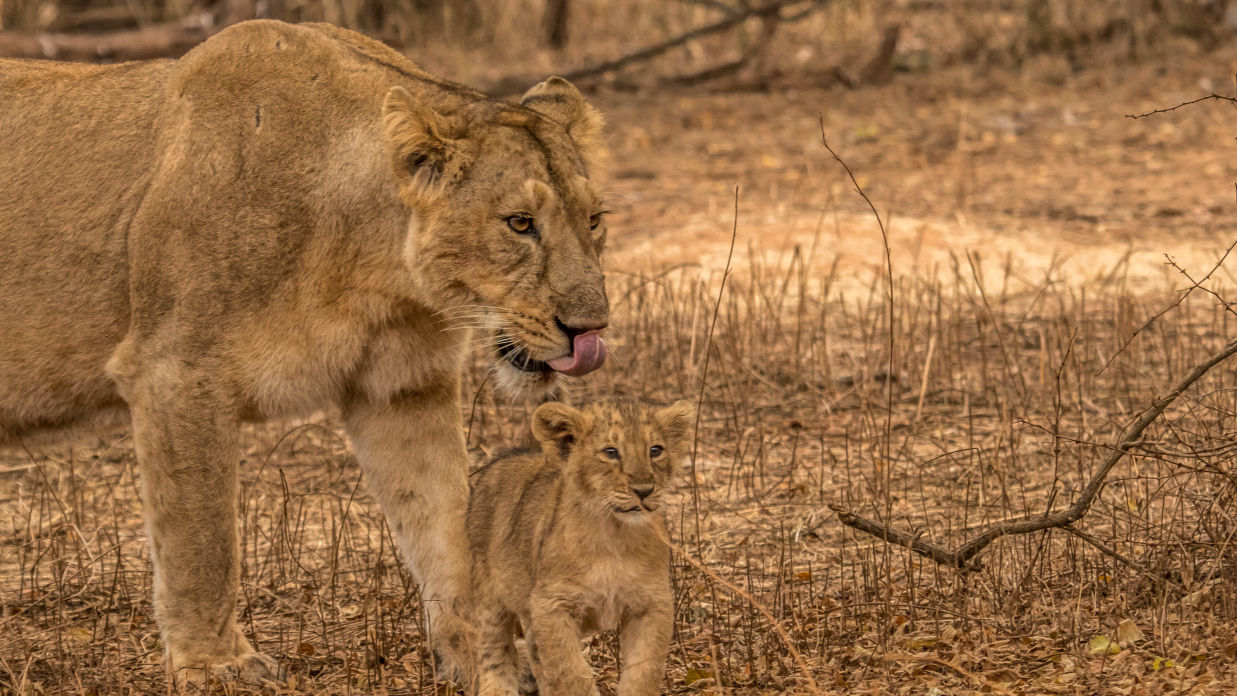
<point x="77" y="154"/>
<point x="108" y="171"/>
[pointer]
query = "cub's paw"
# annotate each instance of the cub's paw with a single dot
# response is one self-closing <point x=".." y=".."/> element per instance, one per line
<point x="251" y="670"/>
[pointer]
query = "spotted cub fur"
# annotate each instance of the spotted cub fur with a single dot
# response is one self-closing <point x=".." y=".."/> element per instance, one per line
<point x="570" y="540"/>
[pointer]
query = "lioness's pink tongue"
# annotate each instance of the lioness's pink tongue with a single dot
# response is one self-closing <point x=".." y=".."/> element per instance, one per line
<point x="588" y="352"/>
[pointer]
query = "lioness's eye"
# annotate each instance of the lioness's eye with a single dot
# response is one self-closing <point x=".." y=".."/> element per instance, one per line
<point x="521" y="224"/>
<point x="655" y="450"/>
<point x="594" y="221"/>
<point x="611" y="452"/>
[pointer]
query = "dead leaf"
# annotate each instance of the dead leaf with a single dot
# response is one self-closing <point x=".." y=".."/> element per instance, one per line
<point x="694" y="675"/>
<point x="1128" y="633"/>
<point x="1103" y="645"/>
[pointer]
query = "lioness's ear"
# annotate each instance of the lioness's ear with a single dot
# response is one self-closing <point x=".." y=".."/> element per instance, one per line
<point x="426" y="146"/>
<point x="559" y="100"/>
<point x="675" y="422"/>
<point x="557" y="427"/>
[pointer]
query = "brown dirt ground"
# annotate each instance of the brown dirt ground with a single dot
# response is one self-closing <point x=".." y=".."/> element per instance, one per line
<point x="998" y="164"/>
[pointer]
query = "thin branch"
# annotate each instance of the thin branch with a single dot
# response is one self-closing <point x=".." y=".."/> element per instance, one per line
<point x="514" y="84"/>
<point x="1213" y="95"/>
<point x="766" y="10"/>
<point x="889" y="290"/>
<point x="1114" y="554"/>
<point x="963" y="557"/>
<point x="1126" y="344"/>
<point x="768" y="29"/>
<point x="704" y="372"/>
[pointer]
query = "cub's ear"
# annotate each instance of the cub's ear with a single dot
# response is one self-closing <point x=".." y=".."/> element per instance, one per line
<point x="427" y="147"/>
<point x="557" y="426"/>
<point x="675" y="423"/>
<point x="560" y="101"/>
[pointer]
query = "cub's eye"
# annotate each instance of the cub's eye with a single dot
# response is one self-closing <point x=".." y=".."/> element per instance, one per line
<point x="655" y="451"/>
<point x="595" y="221"/>
<point x="611" y="452"/>
<point x="521" y="224"/>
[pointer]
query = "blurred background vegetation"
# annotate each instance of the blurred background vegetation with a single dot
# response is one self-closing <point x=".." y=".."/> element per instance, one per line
<point x="763" y="42"/>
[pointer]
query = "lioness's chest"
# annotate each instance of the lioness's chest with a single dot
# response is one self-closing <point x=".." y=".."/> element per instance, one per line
<point x="300" y="362"/>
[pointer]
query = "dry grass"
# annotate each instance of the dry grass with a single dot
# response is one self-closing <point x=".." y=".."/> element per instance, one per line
<point x="998" y="403"/>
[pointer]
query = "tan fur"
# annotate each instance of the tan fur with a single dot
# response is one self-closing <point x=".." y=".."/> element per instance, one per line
<point x="286" y="218"/>
<point x="563" y="547"/>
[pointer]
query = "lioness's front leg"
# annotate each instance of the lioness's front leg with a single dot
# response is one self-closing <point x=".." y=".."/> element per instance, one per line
<point x="644" y="640"/>
<point x="411" y="449"/>
<point x="186" y="448"/>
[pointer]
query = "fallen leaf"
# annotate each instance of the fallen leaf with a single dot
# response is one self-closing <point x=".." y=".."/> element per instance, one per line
<point x="79" y="635"/>
<point x="922" y="642"/>
<point x="1002" y="677"/>
<point x="694" y="675"/>
<point x="1159" y="663"/>
<point x="1128" y="632"/>
<point x="1103" y="645"/>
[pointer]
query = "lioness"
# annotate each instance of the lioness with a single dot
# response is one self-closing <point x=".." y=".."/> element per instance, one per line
<point x="288" y="217"/>
<point x="570" y="541"/>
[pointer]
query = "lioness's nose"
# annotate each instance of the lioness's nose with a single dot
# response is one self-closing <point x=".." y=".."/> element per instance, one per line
<point x="574" y="326"/>
<point x="642" y="490"/>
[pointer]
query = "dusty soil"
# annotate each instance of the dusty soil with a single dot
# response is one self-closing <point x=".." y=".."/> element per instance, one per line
<point x="1052" y="175"/>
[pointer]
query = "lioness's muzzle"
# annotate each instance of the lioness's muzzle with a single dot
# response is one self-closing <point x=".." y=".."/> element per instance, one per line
<point x="588" y="352"/>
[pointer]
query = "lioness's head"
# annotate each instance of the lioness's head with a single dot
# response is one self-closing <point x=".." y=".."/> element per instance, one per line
<point x="618" y="454"/>
<point x="507" y="230"/>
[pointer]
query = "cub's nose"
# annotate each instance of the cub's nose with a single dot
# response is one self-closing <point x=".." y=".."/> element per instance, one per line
<point x="642" y="490"/>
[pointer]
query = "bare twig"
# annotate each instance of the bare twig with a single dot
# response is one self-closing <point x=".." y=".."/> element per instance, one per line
<point x="1211" y="96"/>
<point x="1114" y="554"/>
<point x="1194" y="286"/>
<point x="512" y="84"/>
<point x="765" y="10"/>
<point x="889" y="287"/>
<point x="963" y="557"/>
<point x="704" y="372"/>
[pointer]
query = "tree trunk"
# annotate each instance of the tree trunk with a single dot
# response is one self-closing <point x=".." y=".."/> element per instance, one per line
<point x="555" y="22"/>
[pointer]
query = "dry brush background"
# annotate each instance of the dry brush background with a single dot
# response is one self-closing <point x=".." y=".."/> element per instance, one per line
<point x="1028" y="221"/>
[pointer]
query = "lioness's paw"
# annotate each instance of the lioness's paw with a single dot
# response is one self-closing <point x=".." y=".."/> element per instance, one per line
<point x="252" y="670"/>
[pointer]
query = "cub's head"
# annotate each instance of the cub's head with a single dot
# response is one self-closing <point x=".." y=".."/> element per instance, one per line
<point x="619" y="454"/>
<point x="507" y="230"/>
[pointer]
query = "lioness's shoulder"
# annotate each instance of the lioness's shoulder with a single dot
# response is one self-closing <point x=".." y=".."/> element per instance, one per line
<point x="279" y="47"/>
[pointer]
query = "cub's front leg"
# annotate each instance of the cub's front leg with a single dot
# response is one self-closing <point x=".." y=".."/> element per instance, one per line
<point x="644" y="641"/>
<point x="554" y="650"/>
<point x="499" y="658"/>
<point x="186" y="440"/>
<point x="411" y="449"/>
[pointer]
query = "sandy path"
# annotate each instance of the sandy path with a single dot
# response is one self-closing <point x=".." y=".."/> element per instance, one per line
<point x="1038" y="177"/>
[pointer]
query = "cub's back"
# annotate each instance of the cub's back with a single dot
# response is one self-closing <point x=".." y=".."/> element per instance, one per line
<point x="510" y="496"/>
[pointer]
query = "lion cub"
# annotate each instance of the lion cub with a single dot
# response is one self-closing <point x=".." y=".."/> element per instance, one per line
<point x="568" y="541"/>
